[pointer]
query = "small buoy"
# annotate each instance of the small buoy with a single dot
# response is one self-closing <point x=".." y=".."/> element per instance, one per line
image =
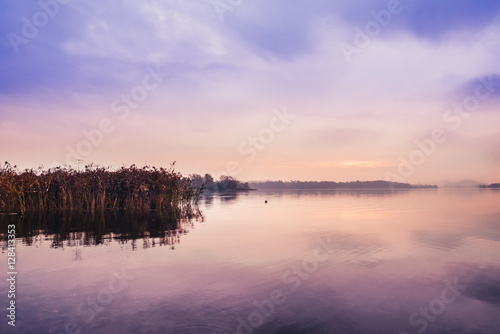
<point x="265" y="201"/>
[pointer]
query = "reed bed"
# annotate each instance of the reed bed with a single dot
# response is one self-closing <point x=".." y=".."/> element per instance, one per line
<point x="95" y="188"/>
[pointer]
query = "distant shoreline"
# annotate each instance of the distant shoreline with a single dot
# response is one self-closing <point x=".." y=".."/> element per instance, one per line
<point x="331" y="185"/>
<point x="344" y="189"/>
<point x="490" y="186"/>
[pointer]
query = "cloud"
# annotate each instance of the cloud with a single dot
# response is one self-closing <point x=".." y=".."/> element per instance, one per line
<point x="104" y="46"/>
<point x="428" y="20"/>
<point x="489" y="87"/>
<point x="224" y="75"/>
<point x="94" y="48"/>
<point x="432" y="20"/>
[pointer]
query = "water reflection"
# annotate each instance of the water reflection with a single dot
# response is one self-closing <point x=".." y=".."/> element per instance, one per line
<point x="386" y="256"/>
<point x="486" y="228"/>
<point x="83" y="229"/>
<point x="483" y="283"/>
<point x="341" y="192"/>
<point x="233" y="196"/>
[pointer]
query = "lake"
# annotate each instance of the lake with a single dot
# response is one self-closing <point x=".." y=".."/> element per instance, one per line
<point x="366" y="261"/>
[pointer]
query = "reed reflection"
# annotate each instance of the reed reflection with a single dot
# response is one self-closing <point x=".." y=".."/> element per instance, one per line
<point x="76" y="228"/>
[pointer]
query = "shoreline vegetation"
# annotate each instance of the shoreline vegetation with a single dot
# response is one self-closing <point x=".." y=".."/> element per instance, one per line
<point x="225" y="183"/>
<point x="95" y="188"/>
<point x="137" y="189"/>
<point x="331" y="185"/>
<point x="491" y="186"/>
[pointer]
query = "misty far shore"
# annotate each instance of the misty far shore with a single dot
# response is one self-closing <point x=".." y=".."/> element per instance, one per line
<point x="315" y="185"/>
<point x="228" y="183"/>
<point x="490" y="186"/>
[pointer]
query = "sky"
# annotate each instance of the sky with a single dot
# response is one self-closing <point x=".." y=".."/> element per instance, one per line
<point x="404" y="91"/>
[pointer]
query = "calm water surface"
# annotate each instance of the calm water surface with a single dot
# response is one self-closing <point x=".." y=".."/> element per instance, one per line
<point x="420" y="261"/>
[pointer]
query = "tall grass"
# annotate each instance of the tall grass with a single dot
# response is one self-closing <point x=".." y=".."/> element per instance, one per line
<point x="94" y="188"/>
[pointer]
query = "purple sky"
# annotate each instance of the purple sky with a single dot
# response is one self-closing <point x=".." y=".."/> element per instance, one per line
<point x="398" y="90"/>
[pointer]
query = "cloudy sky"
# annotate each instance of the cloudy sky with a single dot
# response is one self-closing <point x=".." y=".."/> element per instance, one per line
<point x="307" y="90"/>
